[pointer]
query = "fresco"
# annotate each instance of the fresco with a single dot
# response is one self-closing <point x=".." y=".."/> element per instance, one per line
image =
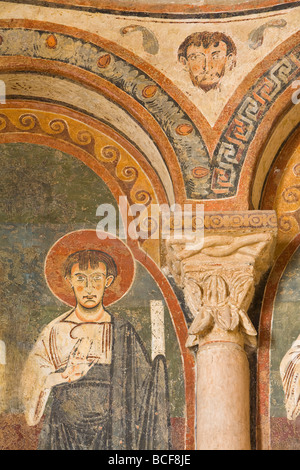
<point x="284" y="419"/>
<point x="160" y="103"/>
<point x="207" y="56"/>
<point x="256" y="37"/>
<point x="150" y="43"/>
<point x="57" y="197"/>
<point x="211" y="164"/>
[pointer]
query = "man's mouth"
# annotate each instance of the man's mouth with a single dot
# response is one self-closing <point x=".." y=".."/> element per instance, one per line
<point x="210" y="76"/>
<point x="89" y="297"/>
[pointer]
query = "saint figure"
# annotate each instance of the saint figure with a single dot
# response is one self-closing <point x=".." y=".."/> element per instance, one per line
<point x="89" y="376"/>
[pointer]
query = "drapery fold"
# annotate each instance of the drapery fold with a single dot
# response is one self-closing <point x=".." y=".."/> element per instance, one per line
<point x="119" y="406"/>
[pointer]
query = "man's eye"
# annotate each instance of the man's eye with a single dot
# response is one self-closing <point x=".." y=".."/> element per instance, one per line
<point x="196" y="57"/>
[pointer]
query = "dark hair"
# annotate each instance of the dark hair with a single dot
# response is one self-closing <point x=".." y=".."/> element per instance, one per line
<point x="205" y="38"/>
<point x="91" y="258"/>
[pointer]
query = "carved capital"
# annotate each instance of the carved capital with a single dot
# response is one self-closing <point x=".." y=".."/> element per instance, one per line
<point x="218" y="276"/>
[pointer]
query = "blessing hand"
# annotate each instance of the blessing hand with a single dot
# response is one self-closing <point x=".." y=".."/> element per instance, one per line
<point x="78" y="363"/>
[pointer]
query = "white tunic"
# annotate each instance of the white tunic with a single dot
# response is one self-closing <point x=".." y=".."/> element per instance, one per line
<point x="51" y="354"/>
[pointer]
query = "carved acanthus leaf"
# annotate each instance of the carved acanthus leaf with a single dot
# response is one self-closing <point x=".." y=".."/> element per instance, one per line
<point x="193" y="296"/>
<point x="227" y="317"/>
<point x="216" y="303"/>
<point x="247" y="324"/>
<point x="218" y="273"/>
<point x="203" y="322"/>
<point x="242" y="287"/>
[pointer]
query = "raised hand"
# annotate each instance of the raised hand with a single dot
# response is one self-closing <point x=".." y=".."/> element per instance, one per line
<point x="78" y="363"/>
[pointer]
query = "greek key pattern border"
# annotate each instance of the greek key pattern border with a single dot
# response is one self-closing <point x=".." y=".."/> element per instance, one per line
<point x="235" y="141"/>
<point x="204" y="178"/>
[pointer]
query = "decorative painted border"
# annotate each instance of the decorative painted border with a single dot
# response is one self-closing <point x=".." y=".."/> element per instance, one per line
<point x="240" y="131"/>
<point x="280" y="162"/>
<point x="224" y="221"/>
<point x="106" y="151"/>
<point x="123" y="169"/>
<point x="167" y="10"/>
<point x="268" y="90"/>
<point x="182" y="134"/>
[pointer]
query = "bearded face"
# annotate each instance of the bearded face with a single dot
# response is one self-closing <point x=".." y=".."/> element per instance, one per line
<point x="207" y="65"/>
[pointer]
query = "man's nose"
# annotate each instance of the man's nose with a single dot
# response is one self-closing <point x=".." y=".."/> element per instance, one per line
<point x="208" y="63"/>
<point x="88" y="284"/>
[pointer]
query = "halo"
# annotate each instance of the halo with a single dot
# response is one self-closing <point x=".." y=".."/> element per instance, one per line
<point x="88" y="240"/>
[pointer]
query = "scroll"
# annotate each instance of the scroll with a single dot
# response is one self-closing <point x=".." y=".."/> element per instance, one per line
<point x="158" y="328"/>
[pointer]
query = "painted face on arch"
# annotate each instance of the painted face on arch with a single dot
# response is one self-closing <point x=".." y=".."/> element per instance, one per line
<point x="89" y="284"/>
<point x="207" y="65"/>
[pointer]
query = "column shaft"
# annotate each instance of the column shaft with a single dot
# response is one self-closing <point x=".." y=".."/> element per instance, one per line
<point x="223" y="416"/>
<point x="218" y="275"/>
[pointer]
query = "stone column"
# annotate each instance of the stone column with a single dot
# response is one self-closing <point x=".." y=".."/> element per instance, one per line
<point x="218" y="276"/>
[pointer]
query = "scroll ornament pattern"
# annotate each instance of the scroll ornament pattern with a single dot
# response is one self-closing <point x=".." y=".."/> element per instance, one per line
<point x="289" y="205"/>
<point x="119" y="162"/>
<point x="183" y="135"/>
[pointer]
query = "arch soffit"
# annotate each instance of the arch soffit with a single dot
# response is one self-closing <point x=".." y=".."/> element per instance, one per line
<point x="276" y="145"/>
<point x="282" y="190"/>
<point x="106" y="146"/>
<point x="67" y="94"/>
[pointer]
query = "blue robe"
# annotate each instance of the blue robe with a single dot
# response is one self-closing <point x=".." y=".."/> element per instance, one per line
<point x="119" y="406"/>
